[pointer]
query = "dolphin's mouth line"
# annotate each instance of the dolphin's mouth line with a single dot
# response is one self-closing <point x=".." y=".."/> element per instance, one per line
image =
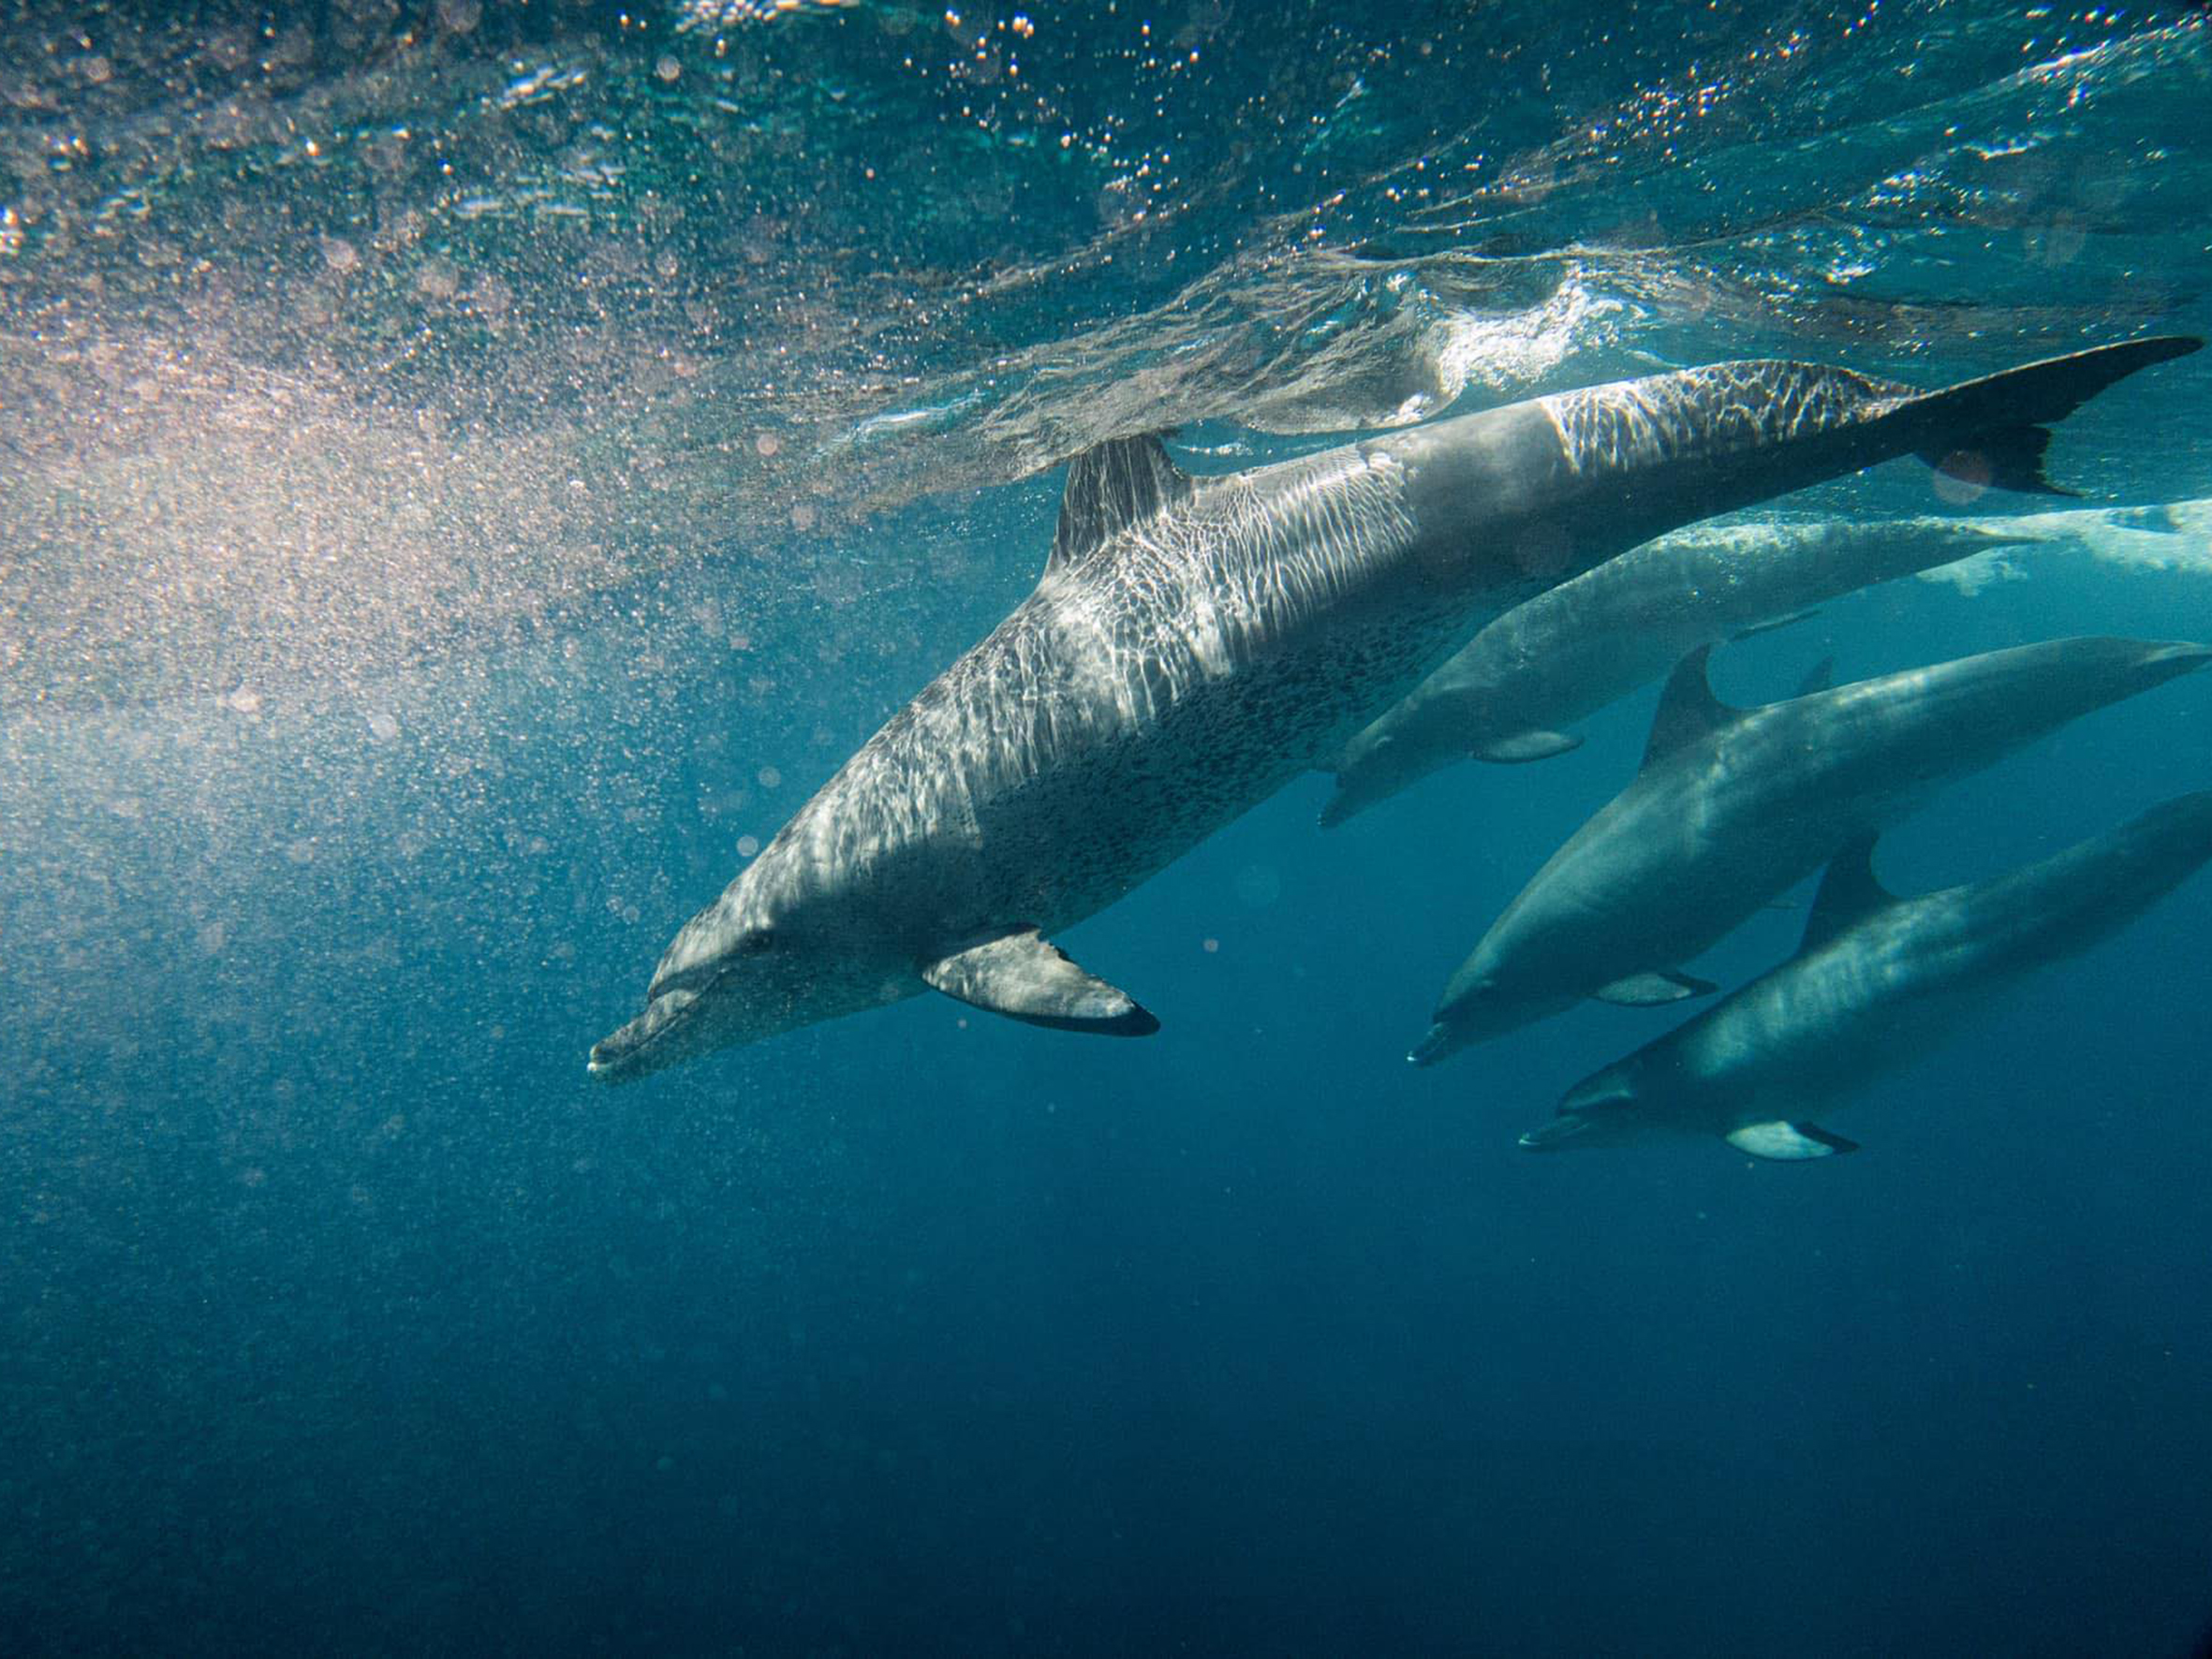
<point x="665" y="1014"/>
<point x="1434" y="1045"/>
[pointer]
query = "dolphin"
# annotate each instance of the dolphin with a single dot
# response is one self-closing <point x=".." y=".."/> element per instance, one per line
<point x="1509" y="694"/>
<point x="1732" y="805"/>
<point x="1195" y="643"/>
<point x="1878" y="981"/>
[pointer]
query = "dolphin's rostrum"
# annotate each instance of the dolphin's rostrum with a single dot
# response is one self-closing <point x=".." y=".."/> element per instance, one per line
<point x="1878" y="982"/>
<point x="1195" y="643"/>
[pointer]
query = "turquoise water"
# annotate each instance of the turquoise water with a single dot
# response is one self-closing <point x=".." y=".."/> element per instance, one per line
<point x="471" y="467"/>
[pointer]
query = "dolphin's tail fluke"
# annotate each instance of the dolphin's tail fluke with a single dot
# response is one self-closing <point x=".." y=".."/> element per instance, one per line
<point x="1648" y="456"/>
<point x="1994" y="431"/>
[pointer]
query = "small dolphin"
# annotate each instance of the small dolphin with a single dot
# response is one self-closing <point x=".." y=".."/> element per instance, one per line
<point x="1511" y="692"/>
<point x="1878" y="981"/>
<point x="1732" y="805"/>
<point x="1195" y="643"/>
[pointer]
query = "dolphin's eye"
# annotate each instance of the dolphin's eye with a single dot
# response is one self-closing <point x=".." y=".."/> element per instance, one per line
<point x="753" y="942"/>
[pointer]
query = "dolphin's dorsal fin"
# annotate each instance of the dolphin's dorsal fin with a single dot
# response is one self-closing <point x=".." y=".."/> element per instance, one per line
<point x="1687" y="710"/>
<point x="1023" y="975"/>
<point x="1849" y="894"/>
<point x="1112" y="486"/>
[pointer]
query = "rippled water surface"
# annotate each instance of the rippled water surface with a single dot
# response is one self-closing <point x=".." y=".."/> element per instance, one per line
<point x="469" y="470"/>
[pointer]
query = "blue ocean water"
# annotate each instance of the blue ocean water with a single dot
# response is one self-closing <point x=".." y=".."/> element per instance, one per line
<point x="474" y="470"/>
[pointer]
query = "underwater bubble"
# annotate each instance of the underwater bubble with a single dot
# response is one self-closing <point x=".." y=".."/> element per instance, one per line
<point x="339" y="254"/>
<point x="747" y="846"/>
<point x="769" y="777"/>
<point x="1259" y="885"/>
<point x="212" y="937"/>
<point x="489" y="297"/>
<point x="383" y="727"/>
<point x="1962" y="476"/>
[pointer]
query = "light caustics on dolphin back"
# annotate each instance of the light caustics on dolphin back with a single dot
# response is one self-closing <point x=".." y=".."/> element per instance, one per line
<point x="1878" y="982"/>
<point x="1193" y="645"/>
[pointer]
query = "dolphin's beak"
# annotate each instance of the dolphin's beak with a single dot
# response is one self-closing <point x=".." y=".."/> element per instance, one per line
<point x="1442" y="1040"/>
<point x="1350" y="801"/>
<point x="646" y="1043"/>
<point x="1984" y="534"/>
<point x="1550" y="1137"/>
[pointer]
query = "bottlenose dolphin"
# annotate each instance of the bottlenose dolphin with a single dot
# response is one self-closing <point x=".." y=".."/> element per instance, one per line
<point x="1878" y="981"/>
<point x="1195" y="643"/>
<point x="1509" y="694"/>
<point x="1732" y="805"/>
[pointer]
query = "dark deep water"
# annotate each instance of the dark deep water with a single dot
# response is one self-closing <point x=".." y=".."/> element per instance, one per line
<point x="467" y="466"/>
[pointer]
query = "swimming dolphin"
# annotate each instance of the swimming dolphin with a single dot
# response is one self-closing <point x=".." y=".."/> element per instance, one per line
<point x="1732" y="805"/>
<point x="1509" y="694"/>
<point x="1878" y="981"/>
<point x="1195" y="643"/>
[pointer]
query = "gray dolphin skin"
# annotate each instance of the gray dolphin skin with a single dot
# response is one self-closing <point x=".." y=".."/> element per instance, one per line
<point x="1878" y="982"/>
<point x="1732" y="805"/>
<point x="1196" y="643"/>
<point x="1512" y="691"/>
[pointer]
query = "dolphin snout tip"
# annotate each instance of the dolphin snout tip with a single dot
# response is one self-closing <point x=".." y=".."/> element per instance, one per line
<point x="2188" y="653"/>
<point x="1434" y="1044"/>
<point x="1551" y="1136"/>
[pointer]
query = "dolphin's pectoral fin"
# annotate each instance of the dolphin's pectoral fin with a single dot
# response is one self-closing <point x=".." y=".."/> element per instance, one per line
<point x="1653" y="990"/>
<point x="1025" y="976"/>
<point x="1772" y="622"/>
<point x="1524" y="746"/>
<point x="1788" y="1143"/>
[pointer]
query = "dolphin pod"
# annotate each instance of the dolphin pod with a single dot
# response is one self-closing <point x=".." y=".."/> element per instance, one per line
<point x="1732" y="806"/>
<point x="1511" y="692"/>
<point x="1878" y="981"/>
<point x="1196" y="643"/>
